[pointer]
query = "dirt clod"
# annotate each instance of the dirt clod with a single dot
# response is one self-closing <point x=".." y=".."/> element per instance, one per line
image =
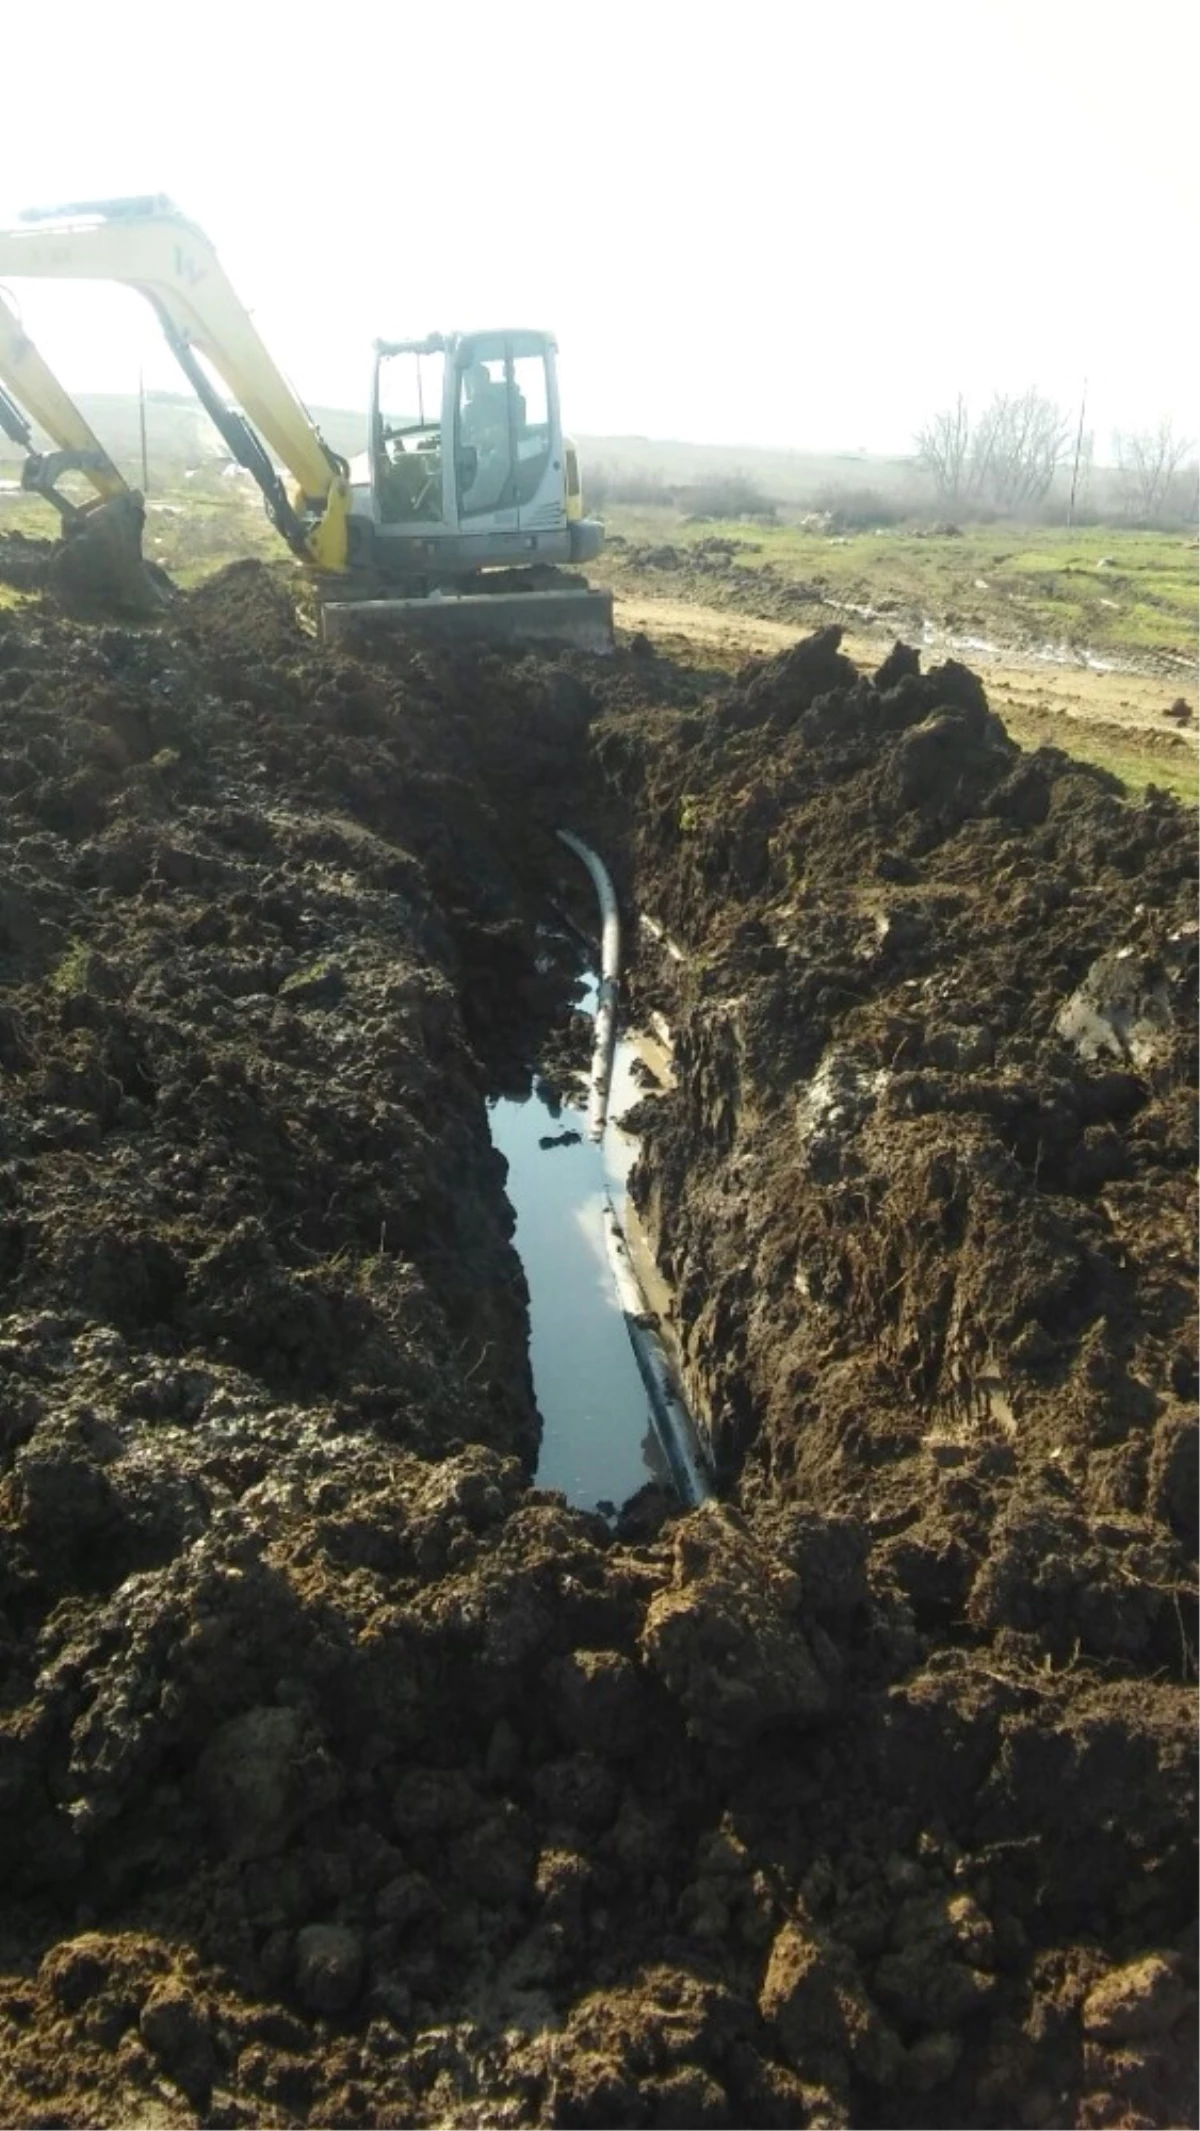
<point x="727" y="1641"/>
<point x="1131" y="2003"/>
<point x="329" y="1966"/>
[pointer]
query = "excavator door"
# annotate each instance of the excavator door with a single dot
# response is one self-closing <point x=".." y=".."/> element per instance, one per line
<point x="509" y="458"/>
<point x="407" y="470"/>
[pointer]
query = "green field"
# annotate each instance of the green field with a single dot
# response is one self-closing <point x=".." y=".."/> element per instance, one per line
<point x="1102" y="589"/>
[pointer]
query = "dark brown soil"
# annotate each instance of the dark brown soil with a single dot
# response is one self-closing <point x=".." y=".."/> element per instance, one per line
<point x="926" y="1195"/>
<point x="714" y="572"/>
<point x="347" y="1779"/>
<point x="25" y="561"/>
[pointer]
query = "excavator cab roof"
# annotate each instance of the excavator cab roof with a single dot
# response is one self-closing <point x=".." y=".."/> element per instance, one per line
<point x="126" y="210"/>
<point x="523" y="340"/>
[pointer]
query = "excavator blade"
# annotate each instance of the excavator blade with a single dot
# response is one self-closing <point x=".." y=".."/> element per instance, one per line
<point x="99" y="567"/>
<point x="582" y="618"/>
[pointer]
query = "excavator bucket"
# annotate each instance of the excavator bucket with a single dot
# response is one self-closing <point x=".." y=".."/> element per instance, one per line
<point x="582" y="618"/>
<point x="99" y="567"/>
<point x="99" y="564"/>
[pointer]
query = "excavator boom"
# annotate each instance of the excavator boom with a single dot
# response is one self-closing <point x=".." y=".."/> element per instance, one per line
<point x="149" y="246"/>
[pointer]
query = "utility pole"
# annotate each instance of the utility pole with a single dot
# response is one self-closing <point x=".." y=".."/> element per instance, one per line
<point x="1078" y="449"/>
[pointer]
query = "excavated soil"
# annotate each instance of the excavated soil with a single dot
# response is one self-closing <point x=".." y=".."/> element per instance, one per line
<point x="25" y="561"/>
<point x="345" y="1777"/>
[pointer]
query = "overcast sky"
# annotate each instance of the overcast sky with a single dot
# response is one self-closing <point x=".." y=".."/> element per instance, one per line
<point x="790" y="223"/>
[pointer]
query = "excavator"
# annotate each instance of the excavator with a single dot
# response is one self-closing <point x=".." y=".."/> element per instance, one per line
<point x="462" y="517"/>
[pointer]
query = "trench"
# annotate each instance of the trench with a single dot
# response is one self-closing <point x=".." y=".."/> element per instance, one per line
<point x="605" y="1372"/>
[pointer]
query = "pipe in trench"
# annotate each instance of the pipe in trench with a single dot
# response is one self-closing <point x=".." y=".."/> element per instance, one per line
<point x="673" y="1423"/>
<point x="605" y="1023"/>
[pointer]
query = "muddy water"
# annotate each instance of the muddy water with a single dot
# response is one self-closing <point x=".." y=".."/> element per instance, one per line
<point x="599" y="1443"/>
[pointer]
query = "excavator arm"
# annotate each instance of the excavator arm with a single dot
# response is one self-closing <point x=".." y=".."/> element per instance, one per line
<point x="39" y="393"/>
<point x="101" y="557"/>
<point x="149" y="246"/>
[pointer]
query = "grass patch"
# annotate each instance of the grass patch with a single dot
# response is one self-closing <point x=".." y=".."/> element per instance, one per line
<point x="1096" y="588"/>
<point x="1138" y="769"/>
<point x="71" y="973"/>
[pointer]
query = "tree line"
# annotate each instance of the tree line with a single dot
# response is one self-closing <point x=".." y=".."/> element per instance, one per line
<point x="1006" y="459"/>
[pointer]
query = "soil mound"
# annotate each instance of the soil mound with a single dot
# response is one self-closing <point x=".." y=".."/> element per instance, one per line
<point x="926" y="1187"/>
<point x="941" y="1018"/>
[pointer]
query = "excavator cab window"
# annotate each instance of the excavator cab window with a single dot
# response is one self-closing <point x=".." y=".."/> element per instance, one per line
<point x="408" y="438"/>
<point x="504" y="437"/>
<point x="533" y="430"/>
<point x="485" y="456"/>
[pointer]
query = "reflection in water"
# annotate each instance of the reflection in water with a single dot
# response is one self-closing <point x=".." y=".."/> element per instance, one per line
<point x="598" y="1441"/>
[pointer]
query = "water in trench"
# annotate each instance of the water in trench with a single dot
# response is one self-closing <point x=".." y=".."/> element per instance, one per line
<point x="599" y="1443"/>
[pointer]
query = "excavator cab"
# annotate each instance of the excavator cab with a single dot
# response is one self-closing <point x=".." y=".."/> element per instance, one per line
<point x="469" y="469"/>
<point x="471" y="491"/>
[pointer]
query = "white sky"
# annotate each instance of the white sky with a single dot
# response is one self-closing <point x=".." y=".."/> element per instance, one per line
<point x="798" y="222"/>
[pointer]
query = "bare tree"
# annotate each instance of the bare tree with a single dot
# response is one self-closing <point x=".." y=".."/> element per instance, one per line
<point x="1006" y="460"/>
<point x="1148" y="463"/>
<point x="1020" y="442"/>
<point x="943" y="447"/>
